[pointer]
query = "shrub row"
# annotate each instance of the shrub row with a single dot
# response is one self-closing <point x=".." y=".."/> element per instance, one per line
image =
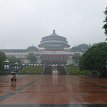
<point x="71" y="70"/>
<point x="31" y="70"/>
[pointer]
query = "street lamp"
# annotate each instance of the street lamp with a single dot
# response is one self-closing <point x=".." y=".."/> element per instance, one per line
<point x="16" y="67"/>
<point x="106" y="66"/>
<point x="6" y="66"/>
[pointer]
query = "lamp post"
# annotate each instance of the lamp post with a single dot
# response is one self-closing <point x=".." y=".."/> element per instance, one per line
<point x="16" y="67"/>
<point x="106" y="66"/>
<point x="6" y="66"/>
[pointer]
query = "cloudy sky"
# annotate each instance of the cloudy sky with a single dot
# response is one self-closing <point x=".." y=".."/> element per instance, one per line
<point x="24" y="22"/>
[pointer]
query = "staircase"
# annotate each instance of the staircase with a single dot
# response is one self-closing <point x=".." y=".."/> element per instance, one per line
<point x="54" y="70"/>
<point x="47" y="70"/>
<point x="61" y="70"/>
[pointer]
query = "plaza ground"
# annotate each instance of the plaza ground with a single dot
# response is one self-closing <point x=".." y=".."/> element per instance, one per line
<point x="53" y="89"/>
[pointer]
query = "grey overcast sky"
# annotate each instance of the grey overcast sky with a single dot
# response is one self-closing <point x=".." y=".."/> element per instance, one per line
<point x="24" y="22"/>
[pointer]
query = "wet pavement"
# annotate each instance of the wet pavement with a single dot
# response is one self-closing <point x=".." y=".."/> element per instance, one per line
<point x="54" y="90"/>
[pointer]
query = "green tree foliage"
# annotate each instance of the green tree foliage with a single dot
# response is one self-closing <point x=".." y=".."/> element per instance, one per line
<point x="2" y="59"/>
<point x="13" y="60"/>
<point x="32" y="57"/>
<point x="76" y="58"/>
<point x="105" y="21"/>
<point x="94" y="59"/>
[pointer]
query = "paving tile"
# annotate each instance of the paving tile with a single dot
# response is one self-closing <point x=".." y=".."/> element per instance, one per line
<point x="53" y="89"/>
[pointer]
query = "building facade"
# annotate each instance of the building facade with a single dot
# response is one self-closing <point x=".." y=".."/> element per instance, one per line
<point x="54" y="49"/>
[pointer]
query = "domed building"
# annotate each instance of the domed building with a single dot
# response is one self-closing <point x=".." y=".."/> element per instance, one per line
<point x="54" y="42"/>
<point x="54" y="49"/>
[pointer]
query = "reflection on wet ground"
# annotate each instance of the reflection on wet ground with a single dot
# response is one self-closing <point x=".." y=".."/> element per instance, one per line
<point x="54" y="90"/>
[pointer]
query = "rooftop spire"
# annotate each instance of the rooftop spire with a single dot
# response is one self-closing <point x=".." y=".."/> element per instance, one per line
<point x="54" y="31"/>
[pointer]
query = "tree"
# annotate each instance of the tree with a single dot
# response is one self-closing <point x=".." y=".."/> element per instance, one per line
<point x="105" y="21"/>
<point x="94" y="59"/>
<point x="2" y="59"/>
<point x="76" y="58"/>
<point x="32" y="57"/>
<point x="13" y="60"/>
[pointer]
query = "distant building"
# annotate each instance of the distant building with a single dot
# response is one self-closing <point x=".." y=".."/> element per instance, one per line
<point x="20" y="53"/>
<point x="54" y="49"/>
<point x="80" y="48"/>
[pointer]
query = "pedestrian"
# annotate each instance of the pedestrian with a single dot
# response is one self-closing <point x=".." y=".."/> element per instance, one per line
<point x="13" y="78"/>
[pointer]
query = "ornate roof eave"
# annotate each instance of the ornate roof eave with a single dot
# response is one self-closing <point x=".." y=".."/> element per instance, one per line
<point x="54" y="35"/>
